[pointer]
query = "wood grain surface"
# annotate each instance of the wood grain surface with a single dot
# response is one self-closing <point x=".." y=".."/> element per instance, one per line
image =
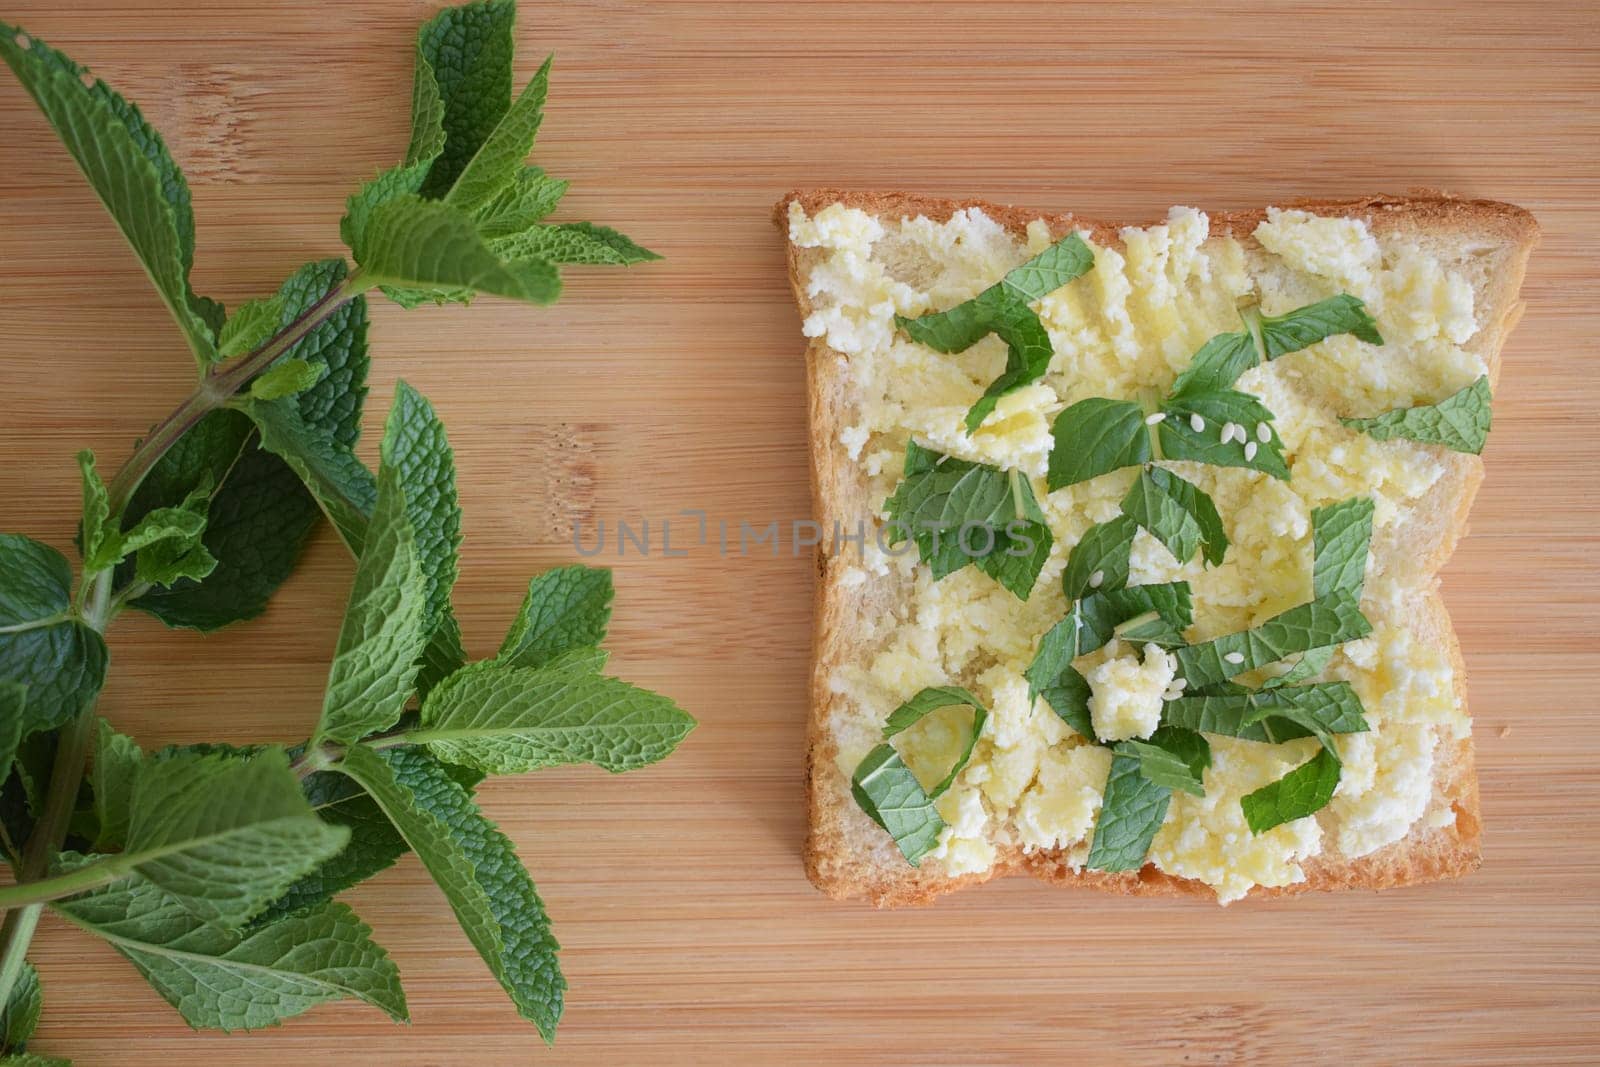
<point x="690" y="933"/>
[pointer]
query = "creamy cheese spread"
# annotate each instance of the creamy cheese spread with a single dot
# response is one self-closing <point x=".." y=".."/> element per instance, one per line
<point x="1128" y="327"/>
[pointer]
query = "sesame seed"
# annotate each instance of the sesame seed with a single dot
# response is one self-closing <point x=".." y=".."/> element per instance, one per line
<point x="1234" y="657"/>
<point x="1263" y="432"/>
<point x="1180" y="683"/>
<point x="1096" y="578"/>
<point x="1249" y="451"/>
<point x="1171" y="694"/>
<point x="1227" y="432"/>
<point x="1196" y="423"/>
<point x="1151" y="420"/>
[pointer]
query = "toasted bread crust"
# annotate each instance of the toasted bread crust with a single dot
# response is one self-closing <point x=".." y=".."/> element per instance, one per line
<point x="834" y="858"/>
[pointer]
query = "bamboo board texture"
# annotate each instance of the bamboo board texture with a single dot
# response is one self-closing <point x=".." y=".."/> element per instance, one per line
<point x="690" y="932"/>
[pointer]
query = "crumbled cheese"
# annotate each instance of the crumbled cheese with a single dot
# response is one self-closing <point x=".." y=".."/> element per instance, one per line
<point x="1126" y="328"/>
<point x="1125" y="694"/>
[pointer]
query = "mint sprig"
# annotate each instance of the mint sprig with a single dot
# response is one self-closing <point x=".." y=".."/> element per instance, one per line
<point x="1003" y="309"/>
<point x="212" y="869"/>
<point x="1459" y="422"/>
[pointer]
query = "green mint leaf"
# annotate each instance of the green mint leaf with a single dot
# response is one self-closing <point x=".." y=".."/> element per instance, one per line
<point x="1304" y="791"/>
<point x="925" y="703"/>
<point x="113" y="773"/>
<point x="959" y="512"/>
<point x="386" y="185"/>
<point x="1130" y="814"/>
<point x="1002" y="309"/>
<point x="499" y="159"/>
<point x="29" y="1059"/>
<point x="486" y="885"/>
<point x="1068" y="696"/>
<point x="1217" y="410"/>
<point x="1213" y="535"/>
<point x="224" y="835"/>
<point x="1305" y="326"/>
<point x="506" y="720"/>
<point x="415" y="446"/>
<point x="566" y="608"/>
<point x="416" y="244"/>
<point x="1281" y="713"/>
<point x="97" y="533"/>
<point x="383" y="631"/>
<point x="13" y="719"/>
<point x="240" y="980"/>
<point x="181" y="554"/>
<point x="61" y="662"/>
<point x="572" y="242"/>
<point x="1308" y="665"/>
<point x="129" y="169"/>
<point x="344" y="488"/>
<point x="286" y="379"/>
<point x="1330" y="620"/>
<point x="1217" y="365"/>
<point x="443" y="656"/>
<point x="1459" y="422"/>
<point x="260" y="514"/>
<point x="251" y="325"/>
<point x="19" y="1016"/>
<point x="1094" y="437"/>
<point x="374" y="845"/>
<point x="884" y="787"/>
<point x="1172" y="757"/>
<point x="1152" y="507"/>
<point x="1104" y="553"/>
<point x="1341" y="534"/>
<point x="466" y="52"/>
<point x="523" y="204"/>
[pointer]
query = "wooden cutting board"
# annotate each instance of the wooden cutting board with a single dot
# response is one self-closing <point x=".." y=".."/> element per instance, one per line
<point x="691" y="933"/>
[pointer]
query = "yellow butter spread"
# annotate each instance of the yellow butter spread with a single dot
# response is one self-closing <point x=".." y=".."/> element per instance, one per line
<point x="1128" y="327"/>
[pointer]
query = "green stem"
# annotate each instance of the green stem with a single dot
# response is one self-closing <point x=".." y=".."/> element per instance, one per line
<point x="14" y="938"/>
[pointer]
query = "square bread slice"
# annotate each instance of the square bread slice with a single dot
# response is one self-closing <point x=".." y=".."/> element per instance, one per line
<point x="1440" y="274"/>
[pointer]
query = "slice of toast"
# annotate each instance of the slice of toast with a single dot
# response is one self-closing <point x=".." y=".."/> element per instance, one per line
<point x="855" y="259"/>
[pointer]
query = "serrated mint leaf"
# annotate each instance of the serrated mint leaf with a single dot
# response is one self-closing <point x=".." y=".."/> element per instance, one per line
<point x="1213" y="535"/>
<point x="1217" y="365"/>
<point x="19" y="1016"/>
<point x="1275" y="715"/>
<point x="1341" y="535"/>
<point x="1002" y="309"/>
<point x="374" y="845"/>
<point x="286" y="379"/>
<point x="416" y="244"/>
<point x="1308" y="665"/>
<point x="1329" y="620"/>
<point x="61" y="662"/>
<point x="251" y="325"/>
<point x="884" y="787"/>
<point x="959" y="512"/>
<point x="925" y="703"/>
<point x="498" y="160"/>
<point x="1304" y="791"/>
<point x="443" y="656"/>
<point x="1152" y="507"/>
<point x="224" y="835"/>
<point x="1172" y="757"/>
<point x="491" y="894"/>
<point x="96" y="532"/>
<point x="105" y="545"/>
<point x="1218" y="410"/>
<point x="1459" y="422"/>
<point x="1068" y="696"/>
<point x="112" y="773"/>
<point x="573" y="242"/>
<point x="1102" y="614"/>
<point x="344" y="488"/>
<point x="386" y="185"/>
<point x="566" y="608"/>
<point x="129" y="169"/>
<point x="240" y="980"/>
<point x="415" y="447"/>
<point x="29" y="1059"/>
<point x="1101" y="559"/>
<point x="522" y="205"/>
<point x="506" y="720"/>
<point x="260" y="514"/>
<point x="466" y="51"/>
<point x="383" y="632"/>
<point x="1130" y="814"/>
<point x="1305" y="326"/>
<point x="1094" y="437"/>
